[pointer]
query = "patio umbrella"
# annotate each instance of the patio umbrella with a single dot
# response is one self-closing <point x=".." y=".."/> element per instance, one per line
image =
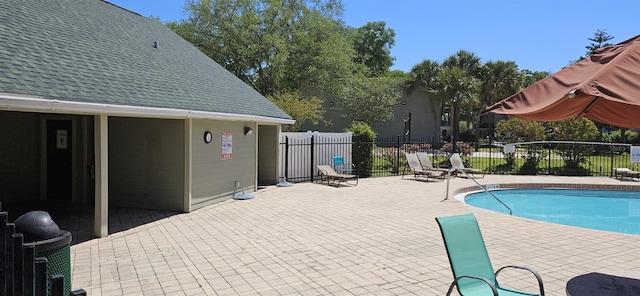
<point x="604" y="87"/>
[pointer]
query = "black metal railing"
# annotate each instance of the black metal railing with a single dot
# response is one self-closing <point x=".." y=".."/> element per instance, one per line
<point x="302" y="154"/>
<point x="387" y="158"/>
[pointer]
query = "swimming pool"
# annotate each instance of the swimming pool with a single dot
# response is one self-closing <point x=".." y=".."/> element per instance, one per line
<point x="609" y="210"/>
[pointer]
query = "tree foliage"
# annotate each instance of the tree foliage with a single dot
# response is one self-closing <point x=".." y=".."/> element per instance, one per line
<point x="465" y="60"/>
<point x="298" y="107"/>
<point x="425" y="78"/>
<point x="292" y="50"/>
<point x="372" y="43"/>
<point x="272" y="45"/>
<point x="600" y="39"/>
<point x="529" y="77"/>
<point x="498" y="80"/>
<point x="299" y="53"/>
<point x="517" y="130"/>
<point x="459" y="86"/>
<point x="363" y="138"/>
<point x="474" y="85"/>
<point x="574" y="129"/>
<point x="369" y="100"/>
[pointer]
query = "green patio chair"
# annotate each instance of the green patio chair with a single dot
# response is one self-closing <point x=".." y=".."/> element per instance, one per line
<point x="470" y="262"/>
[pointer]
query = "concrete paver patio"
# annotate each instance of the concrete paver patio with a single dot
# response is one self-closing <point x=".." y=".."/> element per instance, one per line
<point x="378" y="238"/>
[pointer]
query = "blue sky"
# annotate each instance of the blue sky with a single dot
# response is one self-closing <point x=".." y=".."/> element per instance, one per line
<point x="539" y="35"/>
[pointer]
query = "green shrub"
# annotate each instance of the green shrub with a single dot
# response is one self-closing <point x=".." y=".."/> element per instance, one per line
<point x="530" y="166"/>
<point x="463" y="148"/>
<point x="574" y="129"/>
<point x="392" y="155"/>
<point x="363" y="137"/>
<point x="468" y="136"/>
<point x="510" y="159"/>
<point x="515" y="130"/>
<point x="630" y="137"/>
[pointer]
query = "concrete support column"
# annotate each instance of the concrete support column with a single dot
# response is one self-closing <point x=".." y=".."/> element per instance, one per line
<point x="101" y="144"/>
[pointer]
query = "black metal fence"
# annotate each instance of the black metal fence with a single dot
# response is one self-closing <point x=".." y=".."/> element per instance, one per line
<point x="302" y="154"/>
<point x="387" y="159"/>
<point x="21" y="272"/>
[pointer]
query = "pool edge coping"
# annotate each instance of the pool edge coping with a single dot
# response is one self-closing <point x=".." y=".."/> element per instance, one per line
<point x="623" y="187"/>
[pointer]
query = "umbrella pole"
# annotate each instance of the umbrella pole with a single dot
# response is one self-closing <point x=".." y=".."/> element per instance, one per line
<point x="590" y="105"/>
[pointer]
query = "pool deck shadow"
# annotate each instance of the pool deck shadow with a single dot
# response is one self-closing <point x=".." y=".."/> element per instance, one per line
<point x="78" y="219"/>
<point x="377" y="238"/>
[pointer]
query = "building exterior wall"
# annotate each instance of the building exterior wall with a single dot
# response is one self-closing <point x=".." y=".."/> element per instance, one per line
<point x="424" y="125"/>
<point x="214" y="177"/>
<point x="146" y="163"/>
<point x="423" y="122"/>
<point x="19" y="156"/>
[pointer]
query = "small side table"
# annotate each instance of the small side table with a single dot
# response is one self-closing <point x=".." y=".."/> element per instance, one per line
<point x="602" y="285"/>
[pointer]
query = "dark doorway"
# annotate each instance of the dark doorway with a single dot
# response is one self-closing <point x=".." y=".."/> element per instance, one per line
<point x="59" y="159"/>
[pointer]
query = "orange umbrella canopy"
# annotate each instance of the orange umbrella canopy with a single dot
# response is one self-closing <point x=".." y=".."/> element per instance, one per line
<point x="604" y="87"/>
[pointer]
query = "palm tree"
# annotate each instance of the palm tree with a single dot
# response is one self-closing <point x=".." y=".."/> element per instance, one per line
<point x="498" y="80"/>
<point x="460" y="84"/>
<point x="425" y="77"/>
<point x="461" y="88"/>
<point x="465" y="60"/>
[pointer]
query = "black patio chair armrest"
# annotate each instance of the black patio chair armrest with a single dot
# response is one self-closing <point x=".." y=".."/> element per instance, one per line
<point x="486" y="281"/>
<point x="538" y="278"/>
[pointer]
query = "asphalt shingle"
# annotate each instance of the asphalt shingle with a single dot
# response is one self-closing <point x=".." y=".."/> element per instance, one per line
<point x="93" y="51"/>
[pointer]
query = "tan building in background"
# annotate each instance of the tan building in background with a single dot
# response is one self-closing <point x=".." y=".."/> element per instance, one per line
<point x="424" y="125"/>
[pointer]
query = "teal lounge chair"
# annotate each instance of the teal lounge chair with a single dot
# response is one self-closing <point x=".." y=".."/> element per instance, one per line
<point x="470" y="262"/>
<point x="341" y="167"/>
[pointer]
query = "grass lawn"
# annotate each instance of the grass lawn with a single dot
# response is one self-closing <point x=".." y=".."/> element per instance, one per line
<point x="600" y="165"/>
<point x="595" y="165"/>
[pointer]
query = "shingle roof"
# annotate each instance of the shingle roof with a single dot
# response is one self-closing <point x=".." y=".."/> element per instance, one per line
<point x="95" y="52"/>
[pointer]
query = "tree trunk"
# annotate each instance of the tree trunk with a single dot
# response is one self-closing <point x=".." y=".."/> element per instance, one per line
<point x="456" y="125"/>
<point x="476" y="128"/>
<point x="437" y="119"/>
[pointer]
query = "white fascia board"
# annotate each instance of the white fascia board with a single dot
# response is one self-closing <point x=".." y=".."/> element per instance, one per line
<point x="26" y="103"/>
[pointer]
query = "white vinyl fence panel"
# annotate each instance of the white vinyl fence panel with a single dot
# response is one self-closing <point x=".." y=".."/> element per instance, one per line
<point x="301" y="157"/>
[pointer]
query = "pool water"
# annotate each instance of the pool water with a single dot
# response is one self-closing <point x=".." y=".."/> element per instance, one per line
<point x="608" y="210"/>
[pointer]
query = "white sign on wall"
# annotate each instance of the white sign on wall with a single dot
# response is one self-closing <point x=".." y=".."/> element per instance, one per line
<point x="227" y="145"/>
<point x="61" y="139"/>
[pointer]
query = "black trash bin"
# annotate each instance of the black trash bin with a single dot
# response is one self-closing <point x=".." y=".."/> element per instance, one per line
<point x="49" y="241"/>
